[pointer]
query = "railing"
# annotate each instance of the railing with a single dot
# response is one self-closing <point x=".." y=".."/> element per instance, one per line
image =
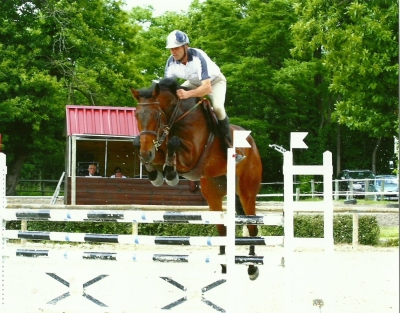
<point x="349" y="194"/>
<point x="47" y="187"/>
<point x="38" y="187"/>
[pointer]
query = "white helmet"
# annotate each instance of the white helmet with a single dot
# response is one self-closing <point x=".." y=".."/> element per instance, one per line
<point x="176" y="39"/>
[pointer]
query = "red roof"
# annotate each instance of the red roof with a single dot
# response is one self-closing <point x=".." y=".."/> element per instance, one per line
<point x="100" y="120"/>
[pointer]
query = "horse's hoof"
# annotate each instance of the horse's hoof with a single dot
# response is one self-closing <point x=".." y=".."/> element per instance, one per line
<point x="173" y="182"/>
<point x="159" y="180"/>
<point x="253" y="275"/>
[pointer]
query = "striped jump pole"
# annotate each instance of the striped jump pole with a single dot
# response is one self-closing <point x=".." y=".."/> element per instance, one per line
<point x="133" y="216"/>
<point x="210" y="241"/>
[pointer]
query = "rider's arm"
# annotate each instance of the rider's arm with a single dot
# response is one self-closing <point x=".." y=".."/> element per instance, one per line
<point x="204" y="89"/>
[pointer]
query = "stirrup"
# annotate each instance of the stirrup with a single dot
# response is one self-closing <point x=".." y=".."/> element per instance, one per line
<point x="239" y="158"/>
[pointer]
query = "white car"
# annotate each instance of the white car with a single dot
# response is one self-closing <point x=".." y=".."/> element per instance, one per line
<point x="390" y="186"/>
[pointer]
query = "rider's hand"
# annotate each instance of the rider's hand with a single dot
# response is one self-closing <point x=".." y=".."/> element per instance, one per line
<point x="182" y="94"/>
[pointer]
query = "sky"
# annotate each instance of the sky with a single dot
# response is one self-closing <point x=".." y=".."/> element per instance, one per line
<point x="161" y="6"/>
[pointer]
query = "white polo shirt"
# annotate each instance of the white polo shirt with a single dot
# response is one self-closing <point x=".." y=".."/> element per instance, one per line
<point x="198" y="67"/>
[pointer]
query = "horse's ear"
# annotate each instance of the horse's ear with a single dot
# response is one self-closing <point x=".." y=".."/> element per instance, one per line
<point x="135" y="94"/>
<point x="156" y="90"/>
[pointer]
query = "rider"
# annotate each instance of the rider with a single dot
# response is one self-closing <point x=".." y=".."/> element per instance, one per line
<point x="203" y="77"/>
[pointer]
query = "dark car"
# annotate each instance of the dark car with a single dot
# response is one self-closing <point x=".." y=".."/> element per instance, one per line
<point x="358" y="178"/>
<point x="389" y="184"/>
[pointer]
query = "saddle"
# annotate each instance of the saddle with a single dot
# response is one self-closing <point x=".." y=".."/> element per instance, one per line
<point x="212" y="126"/>
<point x="212" y="120"/>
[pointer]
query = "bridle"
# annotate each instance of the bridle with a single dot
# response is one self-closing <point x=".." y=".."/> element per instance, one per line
<point x="166" y="128"/>
<point x="156" y="132"/>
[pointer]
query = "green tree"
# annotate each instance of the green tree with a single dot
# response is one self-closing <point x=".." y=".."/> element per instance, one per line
<point x="356" y="45"/>
<point x="53" y="53"/>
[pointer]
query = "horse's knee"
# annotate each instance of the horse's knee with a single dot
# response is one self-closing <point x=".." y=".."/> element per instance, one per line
<point x="172" y="145"/>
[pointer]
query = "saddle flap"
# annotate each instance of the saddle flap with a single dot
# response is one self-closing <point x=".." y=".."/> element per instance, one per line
<point x="210" y="115"/>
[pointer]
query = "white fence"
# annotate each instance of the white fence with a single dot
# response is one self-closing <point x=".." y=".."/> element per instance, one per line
<point x="372" y="195"/>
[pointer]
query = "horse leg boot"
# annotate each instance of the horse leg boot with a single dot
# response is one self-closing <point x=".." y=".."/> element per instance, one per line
<point x="223" y="126"/>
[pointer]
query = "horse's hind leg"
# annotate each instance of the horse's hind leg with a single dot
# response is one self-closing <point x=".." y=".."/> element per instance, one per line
<point x="171" y="176"/>
<point x="214" y="191"/>
<point x="252" y="270"/>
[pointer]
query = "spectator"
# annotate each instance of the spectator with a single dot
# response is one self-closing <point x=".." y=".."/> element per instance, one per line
<point x="117" y="173"/>
<point x="92" y="170"/>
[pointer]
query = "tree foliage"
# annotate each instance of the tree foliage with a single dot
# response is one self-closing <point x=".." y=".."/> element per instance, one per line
<point x="55" y="53"/>
<point x="291" y="65"/>
<point x="359" y="47"/>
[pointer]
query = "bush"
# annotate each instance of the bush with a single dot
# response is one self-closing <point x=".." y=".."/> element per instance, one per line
<point x="305" y="226"/>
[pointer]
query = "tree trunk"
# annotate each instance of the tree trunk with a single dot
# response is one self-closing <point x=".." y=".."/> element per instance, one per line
<point x="14" y="171"/>
<point x="338" y="145"/>
<point x="378" y="143"/>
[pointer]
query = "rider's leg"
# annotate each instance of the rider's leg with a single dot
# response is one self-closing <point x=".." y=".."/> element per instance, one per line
<point x="218" y="99"/>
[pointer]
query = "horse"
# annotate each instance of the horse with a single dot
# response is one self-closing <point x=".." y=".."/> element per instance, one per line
<point x="180" y="138"/>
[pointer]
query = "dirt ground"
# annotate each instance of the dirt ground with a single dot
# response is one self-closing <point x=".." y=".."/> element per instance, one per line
<point x="361" y="280"/>
<point x="364" y="280"/>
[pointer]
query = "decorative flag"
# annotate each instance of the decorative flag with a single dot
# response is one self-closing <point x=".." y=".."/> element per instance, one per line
<point x="239" y="138"/>
<point x="296" y="140"/>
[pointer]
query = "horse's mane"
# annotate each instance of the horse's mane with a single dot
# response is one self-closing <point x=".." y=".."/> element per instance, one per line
<point x="168" y="83"/>
<point x="147" y="92"/>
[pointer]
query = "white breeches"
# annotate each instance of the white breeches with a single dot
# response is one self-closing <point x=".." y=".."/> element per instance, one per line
<point x="217" y="95"/>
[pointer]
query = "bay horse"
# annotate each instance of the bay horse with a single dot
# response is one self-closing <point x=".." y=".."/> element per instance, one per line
<point x="180" y="138"/>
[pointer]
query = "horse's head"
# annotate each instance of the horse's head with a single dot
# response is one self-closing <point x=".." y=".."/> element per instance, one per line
<point x="153" y="113"/>
<point x="150" y="120"/>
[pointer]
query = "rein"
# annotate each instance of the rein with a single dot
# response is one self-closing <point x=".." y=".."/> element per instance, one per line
<point x="158" y="142"/>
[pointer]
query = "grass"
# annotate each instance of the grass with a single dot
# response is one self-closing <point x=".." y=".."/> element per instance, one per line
<point x="389" y="236"/>
<point x="389" y="232"/>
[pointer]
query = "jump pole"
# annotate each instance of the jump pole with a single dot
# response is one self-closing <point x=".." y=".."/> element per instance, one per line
<point x="239" y="141"/>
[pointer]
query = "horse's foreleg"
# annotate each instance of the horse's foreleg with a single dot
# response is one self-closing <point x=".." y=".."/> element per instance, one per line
<point x="156" y="177"/>
<point x="171" y="176"/>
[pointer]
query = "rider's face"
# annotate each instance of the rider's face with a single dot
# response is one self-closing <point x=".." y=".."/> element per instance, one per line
<point x="178" y="53"/>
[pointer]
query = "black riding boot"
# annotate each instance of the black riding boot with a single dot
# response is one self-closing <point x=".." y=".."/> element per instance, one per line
<point x="223" y="126"/>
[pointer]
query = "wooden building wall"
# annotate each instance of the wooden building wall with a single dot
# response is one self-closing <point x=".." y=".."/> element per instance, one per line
<point x="109" y="191"/>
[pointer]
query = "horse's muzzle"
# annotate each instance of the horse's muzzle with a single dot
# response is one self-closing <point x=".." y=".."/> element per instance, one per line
<point x="147" y="156"/>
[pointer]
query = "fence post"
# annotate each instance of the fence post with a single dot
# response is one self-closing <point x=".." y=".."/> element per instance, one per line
<point x="337" y="191"/>
<point x="312" y="188"/>
<point x="24" y="227"/>
<point x="355" y="229"/>
<point x="297" y="194"/>
<point x="351" y="189"/>
<point x="382" y="196"/>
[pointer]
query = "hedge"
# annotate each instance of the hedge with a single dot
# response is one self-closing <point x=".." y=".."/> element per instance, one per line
<point x="306" y="226"/>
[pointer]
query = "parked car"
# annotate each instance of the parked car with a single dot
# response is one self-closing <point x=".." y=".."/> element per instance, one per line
<point x="390" y="184"/>
<point x="358" y="178"/>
